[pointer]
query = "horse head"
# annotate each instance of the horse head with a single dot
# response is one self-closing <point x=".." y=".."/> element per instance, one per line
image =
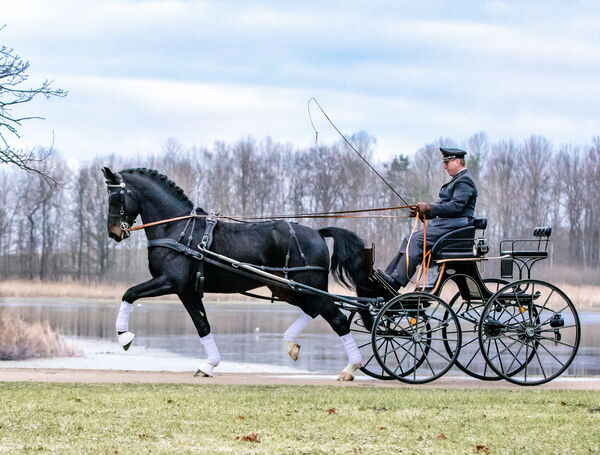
<point x="123" y="208"/>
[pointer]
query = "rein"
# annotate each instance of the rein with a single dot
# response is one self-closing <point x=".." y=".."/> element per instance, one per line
<point x="335" y="214"/>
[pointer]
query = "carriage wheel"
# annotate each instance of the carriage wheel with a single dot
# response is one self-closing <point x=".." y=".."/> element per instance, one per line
<point x="363" y="339"/>
<point x="411" y="326"/>
<point x="470" y="360"/>
<point x="532" y="331"/>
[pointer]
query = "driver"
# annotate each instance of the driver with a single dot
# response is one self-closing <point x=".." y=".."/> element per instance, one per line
<point x="454" y="209"/>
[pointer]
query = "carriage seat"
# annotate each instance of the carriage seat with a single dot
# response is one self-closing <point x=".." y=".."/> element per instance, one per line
<point x="511" y="247"/>
<point x="459" y="242"/>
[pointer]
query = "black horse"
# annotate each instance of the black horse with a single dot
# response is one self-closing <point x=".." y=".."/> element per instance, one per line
<point x="154" y="197"/>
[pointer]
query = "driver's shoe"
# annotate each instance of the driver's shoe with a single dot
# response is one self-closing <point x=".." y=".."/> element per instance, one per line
<point x="390" y="280"/>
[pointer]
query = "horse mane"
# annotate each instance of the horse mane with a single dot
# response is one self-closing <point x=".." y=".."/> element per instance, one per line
<point x="163" y="181"/>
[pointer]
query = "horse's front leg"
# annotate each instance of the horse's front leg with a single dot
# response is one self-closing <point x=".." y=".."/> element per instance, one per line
<point x="194" y="306"/>
<point x="151" y="288"/>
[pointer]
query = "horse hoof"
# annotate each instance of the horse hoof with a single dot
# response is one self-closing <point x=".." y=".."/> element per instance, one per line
<point x="347" y="373"/>
<point x="293" y="349"/>
<point x="125" y="339"/>
<point x="205" y="370"/>
<point x="344" y="376"/>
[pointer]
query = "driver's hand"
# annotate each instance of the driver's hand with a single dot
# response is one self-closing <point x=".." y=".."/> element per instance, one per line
<point x="423" y="208"/>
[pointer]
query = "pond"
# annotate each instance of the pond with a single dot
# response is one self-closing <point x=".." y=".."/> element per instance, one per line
<point x="249" y="337"/>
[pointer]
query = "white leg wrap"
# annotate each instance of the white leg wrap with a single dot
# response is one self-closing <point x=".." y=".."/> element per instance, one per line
<point x="292" y="333"/>
<point x="212" y="353"/>
<point x="122" y="324"/>
<point x="352" y="351"/>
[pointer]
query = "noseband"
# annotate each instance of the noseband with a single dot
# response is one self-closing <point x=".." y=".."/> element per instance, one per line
<point x="124" y="221"/>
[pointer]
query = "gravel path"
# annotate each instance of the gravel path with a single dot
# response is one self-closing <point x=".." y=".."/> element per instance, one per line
<point x="165" y="377"/>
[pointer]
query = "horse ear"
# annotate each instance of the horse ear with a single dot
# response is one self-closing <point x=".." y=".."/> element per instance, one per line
<point x="109" y="175"/>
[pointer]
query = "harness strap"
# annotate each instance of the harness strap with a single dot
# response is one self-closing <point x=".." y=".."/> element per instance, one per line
<point x="287" y="257"/>
<point x="207" y="237"/>
<point x="180" y="248"/>
<point x="205" y="243"/>
<point x="174" y="245"/>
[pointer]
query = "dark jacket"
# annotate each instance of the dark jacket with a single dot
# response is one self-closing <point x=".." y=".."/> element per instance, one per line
<point x="457" y="198"/>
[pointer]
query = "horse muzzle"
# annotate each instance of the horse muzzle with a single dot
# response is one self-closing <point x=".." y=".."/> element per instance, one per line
<point x="118" y="232"/>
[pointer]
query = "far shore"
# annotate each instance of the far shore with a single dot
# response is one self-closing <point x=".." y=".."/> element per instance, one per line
<point x="584" y="297"/>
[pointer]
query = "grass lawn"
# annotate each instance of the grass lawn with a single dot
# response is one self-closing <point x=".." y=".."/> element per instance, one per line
<point x="164" y="418"/>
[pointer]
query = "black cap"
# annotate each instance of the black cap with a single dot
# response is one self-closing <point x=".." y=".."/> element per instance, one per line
<point x="452" y="153"/>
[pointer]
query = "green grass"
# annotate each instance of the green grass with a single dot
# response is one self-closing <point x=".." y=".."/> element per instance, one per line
<point x="164" y="418"/>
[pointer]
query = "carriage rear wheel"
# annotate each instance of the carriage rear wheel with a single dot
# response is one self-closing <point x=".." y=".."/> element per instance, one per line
<point x="362" y="335"/>
<point x="409" y="334"/>
<point x="529" y="332"/>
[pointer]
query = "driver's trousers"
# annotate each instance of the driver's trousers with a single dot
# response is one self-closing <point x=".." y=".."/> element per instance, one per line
<point x="436" y="228"/>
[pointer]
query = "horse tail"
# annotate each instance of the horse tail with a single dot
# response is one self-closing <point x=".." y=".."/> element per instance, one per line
<point x="347" y="263"/>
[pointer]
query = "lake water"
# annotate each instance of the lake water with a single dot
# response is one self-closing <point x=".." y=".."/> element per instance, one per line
<point x="248" y="335"/>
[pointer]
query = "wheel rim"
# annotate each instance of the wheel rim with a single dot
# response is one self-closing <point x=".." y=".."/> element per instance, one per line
<point x="371" y="366"/>
<point x="532" y="330"/>
<point x="415" y="327"/>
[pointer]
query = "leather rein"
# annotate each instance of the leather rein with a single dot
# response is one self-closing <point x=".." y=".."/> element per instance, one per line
<point x="335" y="214"/>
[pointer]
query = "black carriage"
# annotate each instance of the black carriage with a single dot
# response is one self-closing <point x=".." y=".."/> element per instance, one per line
<point x="525" y="331"/>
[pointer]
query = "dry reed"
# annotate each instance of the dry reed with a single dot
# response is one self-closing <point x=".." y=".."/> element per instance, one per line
<point x="584" y="297"/>
<point x="21" y="340"/>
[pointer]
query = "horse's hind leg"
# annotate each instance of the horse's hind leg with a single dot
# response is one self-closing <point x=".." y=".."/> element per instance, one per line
<point x="195" y="308"/>
<point x="339" y="323"/>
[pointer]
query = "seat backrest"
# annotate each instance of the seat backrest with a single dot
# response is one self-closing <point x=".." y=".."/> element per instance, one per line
<point x="542" y="231"/>
<point x="459" y="240"/>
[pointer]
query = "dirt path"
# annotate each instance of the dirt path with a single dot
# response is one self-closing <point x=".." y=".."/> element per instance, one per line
<point x="165" y="377"/>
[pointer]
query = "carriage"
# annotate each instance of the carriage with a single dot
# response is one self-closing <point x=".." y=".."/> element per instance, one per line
<point x="525" y="330"/>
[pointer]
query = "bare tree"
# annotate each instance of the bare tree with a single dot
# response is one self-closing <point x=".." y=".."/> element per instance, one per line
<point x="572" y="186"/>
<point x="13" y="92"/>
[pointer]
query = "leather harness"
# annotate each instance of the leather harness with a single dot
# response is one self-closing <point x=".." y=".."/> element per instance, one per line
<point x="204" y="247"/>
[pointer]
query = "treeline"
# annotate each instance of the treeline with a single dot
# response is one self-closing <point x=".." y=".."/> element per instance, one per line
<point x="51" y="233"/>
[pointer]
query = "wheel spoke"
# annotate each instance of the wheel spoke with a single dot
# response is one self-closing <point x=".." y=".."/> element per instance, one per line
<point x="547" y="300"/>
<point x="468" y="342"/>
<point x="552" y="355"/>
<point x="499" y="357"/>
<point x="473" y="357"/>
<point x="438" y="353"/>
<point x="526" y="357"/>
<point x="498" y="353"/>
<point x="540" y="363"/>
<point x="556" y="341"/>
<point x="557" y="328"/>
<point x="426" y="360"/>
<point x="515" y="357"/>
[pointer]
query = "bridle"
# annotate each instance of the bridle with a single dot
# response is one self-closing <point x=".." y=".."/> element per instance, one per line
<point x="125" y="222"/>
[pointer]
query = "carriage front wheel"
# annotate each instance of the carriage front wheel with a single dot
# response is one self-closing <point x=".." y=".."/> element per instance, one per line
<point x="415" y="327"/>
<point x="529" y="332"/>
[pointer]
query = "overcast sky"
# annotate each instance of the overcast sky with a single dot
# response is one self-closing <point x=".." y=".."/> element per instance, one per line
<point x="140" y="72"/>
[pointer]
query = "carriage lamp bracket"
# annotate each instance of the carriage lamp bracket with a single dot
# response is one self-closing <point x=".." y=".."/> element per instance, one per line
<point x="480" y="247"/>
<point x="557" y="321"/>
